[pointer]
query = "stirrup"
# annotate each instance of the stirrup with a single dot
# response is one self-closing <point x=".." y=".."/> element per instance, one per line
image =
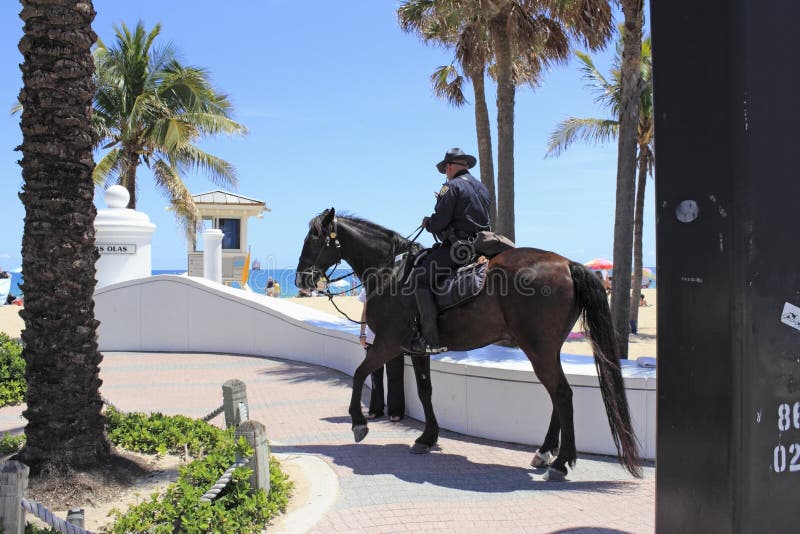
<point x="415" y="346"/>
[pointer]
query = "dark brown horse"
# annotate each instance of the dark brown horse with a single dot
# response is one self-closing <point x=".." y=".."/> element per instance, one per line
<point x="531" y="298"/>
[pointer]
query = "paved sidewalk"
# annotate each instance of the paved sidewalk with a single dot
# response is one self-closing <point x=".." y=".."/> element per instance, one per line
<point x="468" y="485"/>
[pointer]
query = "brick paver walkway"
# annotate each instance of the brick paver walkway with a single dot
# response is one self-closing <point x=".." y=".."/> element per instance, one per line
<point x="468" y="485"/>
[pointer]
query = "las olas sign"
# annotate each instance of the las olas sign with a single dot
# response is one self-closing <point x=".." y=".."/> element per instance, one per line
<point x="113" y="248"/>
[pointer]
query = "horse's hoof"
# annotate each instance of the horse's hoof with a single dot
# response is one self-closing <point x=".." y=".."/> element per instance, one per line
<point x="543" y="459"/>
<point x="360" y="432"/>
<point x="555" y="474"/>
<point x="420" y="448"/>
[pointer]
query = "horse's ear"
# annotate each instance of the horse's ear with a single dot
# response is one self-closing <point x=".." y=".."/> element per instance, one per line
<point x="329" y="214"/>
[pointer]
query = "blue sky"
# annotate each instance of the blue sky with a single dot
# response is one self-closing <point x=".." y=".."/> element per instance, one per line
<point x="340" y="113"/>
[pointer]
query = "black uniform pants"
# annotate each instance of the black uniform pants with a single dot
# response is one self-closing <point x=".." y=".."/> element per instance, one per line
<point x="396" y="396"/>
<point x="437" y="265"/>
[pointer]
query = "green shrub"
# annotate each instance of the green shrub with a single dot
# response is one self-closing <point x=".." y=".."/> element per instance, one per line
<point x="12" y="372"/>
<point x="179" y="509"/>
<point x="157" y="433"/>
<point x="33" y="529"/>
<point x="11" y="443"/>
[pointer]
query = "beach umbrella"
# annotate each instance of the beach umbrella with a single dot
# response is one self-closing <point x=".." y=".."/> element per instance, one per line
<point x="599" y="264"/>
<point x="647" y="273"/>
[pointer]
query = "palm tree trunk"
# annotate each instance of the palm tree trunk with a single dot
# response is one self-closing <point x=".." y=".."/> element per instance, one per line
<point x="638" y="226"/>
<point x="505" y="125"/>
<point x="485" y="157"/>
<point x="128" y="176"/>
<point x="65" y="425"/>
<point x="626" y="171"/>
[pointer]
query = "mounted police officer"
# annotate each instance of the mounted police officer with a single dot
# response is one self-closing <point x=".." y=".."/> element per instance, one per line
<point x="462" y="210"/>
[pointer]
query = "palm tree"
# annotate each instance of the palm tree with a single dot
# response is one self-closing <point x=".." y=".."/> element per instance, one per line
<point x="604" y="130"/>
<point x="524" y="37"/>
<point x="65" y="425"/>
<point x="537" y="30"/>
<point x="630" y="88"/>
<point x="151" y="109"/>
<point x="443" y="25"/>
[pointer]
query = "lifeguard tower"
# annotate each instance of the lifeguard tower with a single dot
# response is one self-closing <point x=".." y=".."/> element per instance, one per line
<point x="227" y="212"/>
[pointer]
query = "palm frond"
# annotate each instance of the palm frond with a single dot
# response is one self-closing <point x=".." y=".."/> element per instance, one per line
<point x="588" y="21"/>
<point x="169" y="183"/>
<point x="574" y="129"/>
<point x="105" y="169"/>
<point x="608" y="95"/>
<point x="189" y="158"/>
<point x="448" y="85"/>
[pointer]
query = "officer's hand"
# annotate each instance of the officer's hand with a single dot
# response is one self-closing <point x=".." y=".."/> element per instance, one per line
<point x="425" y="222"/>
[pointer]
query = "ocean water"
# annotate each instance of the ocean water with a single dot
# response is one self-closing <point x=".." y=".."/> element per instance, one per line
<point x="258" y="280"/>
<point x="285" y="277"/>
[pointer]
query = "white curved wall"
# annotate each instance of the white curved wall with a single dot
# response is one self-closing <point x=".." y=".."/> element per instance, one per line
<point x="504" y="401"/>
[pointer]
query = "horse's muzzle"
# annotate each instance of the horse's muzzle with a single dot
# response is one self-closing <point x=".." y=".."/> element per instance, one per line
<point x="305" y="280"/>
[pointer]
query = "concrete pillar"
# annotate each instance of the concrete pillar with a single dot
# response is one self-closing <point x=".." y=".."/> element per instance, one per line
<point x="212" y="254"/>
<point x="122" y="237"/>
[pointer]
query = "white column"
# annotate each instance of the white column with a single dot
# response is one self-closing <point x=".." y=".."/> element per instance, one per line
<point x="122" y="237"/>
<point x="212" y="254"/>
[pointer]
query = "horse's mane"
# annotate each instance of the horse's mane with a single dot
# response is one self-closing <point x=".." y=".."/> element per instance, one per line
<point x="364" y="225"/>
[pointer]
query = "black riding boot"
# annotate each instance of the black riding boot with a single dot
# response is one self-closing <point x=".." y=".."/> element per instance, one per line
<point x="428" y="343"/>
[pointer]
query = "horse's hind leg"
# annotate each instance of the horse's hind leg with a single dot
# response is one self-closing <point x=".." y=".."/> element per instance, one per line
<point x="548" y="370"/>
<point x="567" y="453"/>
<point x="549" y="449"/>
<point x="422" y="374"/>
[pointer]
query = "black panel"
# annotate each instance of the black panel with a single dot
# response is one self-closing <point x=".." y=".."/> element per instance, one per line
<point x="726" y="139"/>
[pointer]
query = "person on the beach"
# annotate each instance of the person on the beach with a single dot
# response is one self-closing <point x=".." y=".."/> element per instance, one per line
<point x="270" y="286"/>
<point x="4" y="274"/>
<point x="462" y="210"/>
<point x="395" y="394"/>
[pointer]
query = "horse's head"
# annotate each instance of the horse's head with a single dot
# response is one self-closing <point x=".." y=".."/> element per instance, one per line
<point x="321" y="249"/>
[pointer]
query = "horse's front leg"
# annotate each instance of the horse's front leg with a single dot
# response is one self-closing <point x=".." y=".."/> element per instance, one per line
<point x="422" y="373"/>
<point x="377" y="355"/>
<point x="357" y="418"/>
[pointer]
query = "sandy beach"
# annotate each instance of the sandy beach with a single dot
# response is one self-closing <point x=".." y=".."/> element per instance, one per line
<point x="641" y="344"/>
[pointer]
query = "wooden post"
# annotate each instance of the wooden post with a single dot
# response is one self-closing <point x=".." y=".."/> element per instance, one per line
<point x="233" y="392"/>
<point x="256" y="435"/>
<point x="75" y="517"/>
<point x="13" y="483"/>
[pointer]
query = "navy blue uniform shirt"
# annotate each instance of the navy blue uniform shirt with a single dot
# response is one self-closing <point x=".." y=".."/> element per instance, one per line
<point x="463" y="205"/>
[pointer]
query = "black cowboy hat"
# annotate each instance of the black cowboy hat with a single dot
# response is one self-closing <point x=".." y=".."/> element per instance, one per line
<point x="458" y="156"/>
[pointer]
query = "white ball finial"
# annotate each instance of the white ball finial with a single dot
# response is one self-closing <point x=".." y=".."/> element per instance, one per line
<point x="117" y="197"/>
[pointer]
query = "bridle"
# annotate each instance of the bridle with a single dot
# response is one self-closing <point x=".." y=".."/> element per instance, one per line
<point x="332" y="240"/>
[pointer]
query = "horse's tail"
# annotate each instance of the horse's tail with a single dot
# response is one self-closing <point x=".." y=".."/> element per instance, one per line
<point x="596" y="316"/>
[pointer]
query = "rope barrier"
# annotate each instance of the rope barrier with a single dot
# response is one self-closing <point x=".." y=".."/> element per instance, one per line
<point x="223" y="481"/>
<point x="109" y="404"/>
<point x="47" y="516"/>
<point x="213" y="414"/>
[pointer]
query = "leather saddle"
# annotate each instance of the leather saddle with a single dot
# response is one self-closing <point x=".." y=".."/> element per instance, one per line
<point x="466" y="282"/>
